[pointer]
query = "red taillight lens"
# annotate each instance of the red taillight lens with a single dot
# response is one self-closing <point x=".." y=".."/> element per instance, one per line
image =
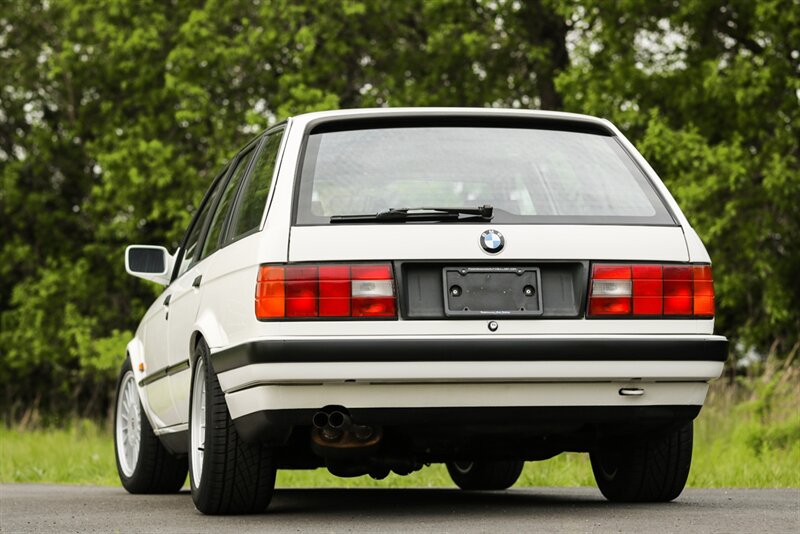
<point x="647" y="290"/>
<point x="611" y="290"/>
<point x="677" y="290"/>
<point x="372" y="272"/>
<point x="373" y="291"/>
<point x="374" y="307"/>
<point x="334" y="291"/>
<point x="270" y="293"/>
<point x="311" y="291"/>
<point x="643" y="290"/>
<point x="302" y="291"/>
<point x="703" y="291"/>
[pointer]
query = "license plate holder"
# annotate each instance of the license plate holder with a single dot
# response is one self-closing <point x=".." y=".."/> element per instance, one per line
<point x="492" y="291"/>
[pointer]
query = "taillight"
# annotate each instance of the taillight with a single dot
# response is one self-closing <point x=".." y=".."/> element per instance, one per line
<point x="325" y="291"/>
<point x="651" y="290"/>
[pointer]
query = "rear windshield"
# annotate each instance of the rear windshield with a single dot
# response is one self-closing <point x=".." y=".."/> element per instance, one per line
<point x="528" y="175"/>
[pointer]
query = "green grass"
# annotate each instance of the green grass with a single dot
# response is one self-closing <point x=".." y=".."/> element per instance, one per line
<point x="746" y="436"/>
<point x="563" y="470"/>
<point x="81" y="454"/>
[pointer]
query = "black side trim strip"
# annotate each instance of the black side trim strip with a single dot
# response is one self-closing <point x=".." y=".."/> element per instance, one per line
<point x="164" y="372"/>
<point x="435" y="350"/>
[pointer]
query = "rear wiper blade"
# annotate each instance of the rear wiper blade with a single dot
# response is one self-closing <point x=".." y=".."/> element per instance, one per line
<point x="483" y="213"/>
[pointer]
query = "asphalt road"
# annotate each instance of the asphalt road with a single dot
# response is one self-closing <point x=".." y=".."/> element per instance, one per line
<point x="38" y="508"/>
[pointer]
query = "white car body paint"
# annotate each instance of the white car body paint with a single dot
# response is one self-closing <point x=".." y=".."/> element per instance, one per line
<point x="523" y="242"/>
<point x="222" y="309"/>
<point x="458" y="372"/>
<point x="464" y="395"/>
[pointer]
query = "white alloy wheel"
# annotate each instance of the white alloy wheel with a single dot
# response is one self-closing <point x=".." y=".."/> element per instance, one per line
<point x="198" y="419"/>
<point x="144" y="465"/>
<point x="128" y="427"/>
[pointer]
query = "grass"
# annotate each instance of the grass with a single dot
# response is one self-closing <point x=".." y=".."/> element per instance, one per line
<point x="748" y="435"/>
<point x="80" y="454"/>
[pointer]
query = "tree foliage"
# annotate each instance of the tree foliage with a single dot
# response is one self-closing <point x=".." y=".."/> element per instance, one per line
<point x="115" y="115"/>
<point x="710" y="92"/>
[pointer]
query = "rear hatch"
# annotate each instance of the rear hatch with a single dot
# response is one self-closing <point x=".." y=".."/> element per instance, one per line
<point x="563" y="195"/>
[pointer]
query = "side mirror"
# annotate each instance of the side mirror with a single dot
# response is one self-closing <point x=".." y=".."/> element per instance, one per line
<point x="149" y="262"/>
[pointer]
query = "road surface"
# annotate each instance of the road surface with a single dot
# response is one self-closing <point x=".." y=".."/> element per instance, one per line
<point x="37" y="508"/>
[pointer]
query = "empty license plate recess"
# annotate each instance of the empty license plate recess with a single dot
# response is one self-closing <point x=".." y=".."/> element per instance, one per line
<point x="492" y="291"/>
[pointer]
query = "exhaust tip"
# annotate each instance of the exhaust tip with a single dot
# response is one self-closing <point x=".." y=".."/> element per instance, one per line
<point x="320" y="420"/>
<point x="337" y="419"/>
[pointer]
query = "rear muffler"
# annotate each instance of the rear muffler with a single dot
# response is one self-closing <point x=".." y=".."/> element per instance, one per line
<point x="334" y="432"/>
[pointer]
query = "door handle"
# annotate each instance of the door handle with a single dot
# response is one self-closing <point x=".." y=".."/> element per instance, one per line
<point x="197" y="281"/>
<point x="166" y="300"/>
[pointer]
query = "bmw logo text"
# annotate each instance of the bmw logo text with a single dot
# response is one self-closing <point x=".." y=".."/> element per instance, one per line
<point x="492" y="241"/>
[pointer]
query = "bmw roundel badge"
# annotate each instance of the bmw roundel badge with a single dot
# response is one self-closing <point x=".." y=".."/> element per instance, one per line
<point x="492" y="241"/>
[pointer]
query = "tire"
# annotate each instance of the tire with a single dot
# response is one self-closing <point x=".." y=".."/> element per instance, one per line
<point x="143" y="463"/>
<point x="653" y="470"/>
<point x="228" y="476"/>
<point x="498" y="475"/>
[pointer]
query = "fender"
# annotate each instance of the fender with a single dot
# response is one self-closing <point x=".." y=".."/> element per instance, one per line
<point x="135" y="351"/>
<point x="208" y="327"/>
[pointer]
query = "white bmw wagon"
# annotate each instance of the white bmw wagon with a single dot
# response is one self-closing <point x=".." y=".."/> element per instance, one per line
<point x="372" y="291"/>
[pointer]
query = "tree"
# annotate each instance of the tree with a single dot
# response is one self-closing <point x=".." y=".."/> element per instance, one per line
<point x="709" y="92"/>
<point x="116" y="114"/>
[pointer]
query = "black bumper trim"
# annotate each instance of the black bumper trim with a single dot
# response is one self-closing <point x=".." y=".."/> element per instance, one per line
<point x="274" y="426"/>
<point x="443" y="350"/>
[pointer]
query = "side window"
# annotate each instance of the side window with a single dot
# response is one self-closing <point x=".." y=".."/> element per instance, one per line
<point x="253" y="197"/>
<point x="211" y="243"/>
<point x="190" y="254"/>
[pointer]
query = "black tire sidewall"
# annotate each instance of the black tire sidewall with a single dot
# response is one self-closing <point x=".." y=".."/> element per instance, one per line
<point x="486" y="475"/>
<point x="237" y="477"/>
<point x="627" y="473"/>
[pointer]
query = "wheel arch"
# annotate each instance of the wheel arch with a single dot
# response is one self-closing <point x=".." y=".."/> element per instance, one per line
<point x="135" y="352"/>
<point x="198" y="334"/>
<point x="208" y="329"/>
<point x="196" y="337"/>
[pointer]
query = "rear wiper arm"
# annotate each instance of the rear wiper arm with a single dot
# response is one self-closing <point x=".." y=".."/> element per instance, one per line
<point x="419" y="214"/>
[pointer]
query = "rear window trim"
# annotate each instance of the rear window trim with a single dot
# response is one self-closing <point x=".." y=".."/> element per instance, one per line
<point x="482" y="121"/>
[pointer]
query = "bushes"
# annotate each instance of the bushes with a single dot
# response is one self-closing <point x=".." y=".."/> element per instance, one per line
<point x="59" y="358"/>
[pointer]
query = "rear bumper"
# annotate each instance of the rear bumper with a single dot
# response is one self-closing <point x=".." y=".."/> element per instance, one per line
<point x="314" y="349"/>
<point x="412" y="397"/>
<point x="281" y="383"/>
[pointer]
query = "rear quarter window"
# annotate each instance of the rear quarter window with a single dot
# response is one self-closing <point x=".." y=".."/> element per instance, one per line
<point x="212" y="241"/>
<point x="253" y="196"/>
